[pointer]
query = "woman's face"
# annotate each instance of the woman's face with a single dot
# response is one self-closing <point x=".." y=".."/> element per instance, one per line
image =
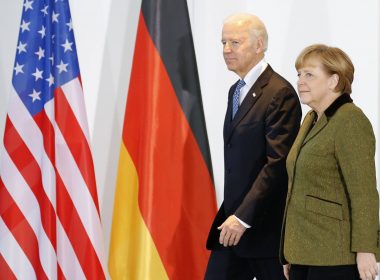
<point x="314" y="84"/>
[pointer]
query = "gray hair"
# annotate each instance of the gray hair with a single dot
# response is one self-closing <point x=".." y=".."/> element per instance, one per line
<point x="254" y="24"/>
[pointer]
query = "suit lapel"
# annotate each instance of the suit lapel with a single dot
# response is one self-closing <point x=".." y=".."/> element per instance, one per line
<point x="319" y="125"/>
<point x="299" y="142"/>
<point x="249" y="101"/>
<point x="304" y="130"/>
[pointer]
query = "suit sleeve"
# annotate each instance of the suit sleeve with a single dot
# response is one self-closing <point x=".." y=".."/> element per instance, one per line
<point x="282" y="123"/>
<point x="355" y="153"/>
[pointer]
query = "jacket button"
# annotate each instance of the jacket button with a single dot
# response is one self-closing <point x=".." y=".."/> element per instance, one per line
<point x="228" y="171"/>
<point x="228" y="145"/>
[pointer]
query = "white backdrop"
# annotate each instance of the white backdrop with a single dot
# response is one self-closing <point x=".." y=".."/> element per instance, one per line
<point x="105" y="32"/>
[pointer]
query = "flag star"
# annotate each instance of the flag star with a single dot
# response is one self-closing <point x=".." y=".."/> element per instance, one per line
<point x="40" y="53"/>
<point x="50" y="80"/>
<point x="42" y="32"/>
<point x="25" y="26"/>
<point x="44" y="10"/>
<point x="54" y="17"/>
<point x="18" y="68"/>
<point x="52" y="59"/>
<point x="35" y="95"/>
<point x="28" y="5"/>
<point x="62" y="67"/>
<point x="37" y="74"/>
<point x="21" y="47"/>
<point x="67" y="46"/>
<point x="70" y="25"/>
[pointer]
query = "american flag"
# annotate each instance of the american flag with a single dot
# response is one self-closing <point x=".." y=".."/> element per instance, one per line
<point x="49" y="213"/>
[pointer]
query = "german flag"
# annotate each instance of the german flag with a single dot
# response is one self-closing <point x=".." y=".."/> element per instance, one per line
<point x="165" y="197"/>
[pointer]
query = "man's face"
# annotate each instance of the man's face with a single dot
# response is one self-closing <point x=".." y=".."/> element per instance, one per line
<point x="241" y="50"/>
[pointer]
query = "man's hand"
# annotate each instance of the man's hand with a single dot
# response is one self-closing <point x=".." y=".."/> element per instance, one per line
<point x="367" y="266"/>
<point x="230" y="231"/>
<point x="286" y="268"/>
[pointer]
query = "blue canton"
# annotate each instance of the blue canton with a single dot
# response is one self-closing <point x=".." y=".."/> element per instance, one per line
<point x="46" y="55"/>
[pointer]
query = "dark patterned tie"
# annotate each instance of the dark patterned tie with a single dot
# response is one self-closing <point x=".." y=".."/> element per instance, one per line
<point x="235" y="97"/>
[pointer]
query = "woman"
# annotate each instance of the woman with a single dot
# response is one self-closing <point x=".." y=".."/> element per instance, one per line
<point x="331" y="218"/>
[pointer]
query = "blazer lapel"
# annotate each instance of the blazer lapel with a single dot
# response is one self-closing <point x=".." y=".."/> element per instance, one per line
<point x="304" y="130"/>
<point x="298" y="143"/>
<point x="254" y="93"/>
<point x="319" y="125"/>
<point x="249" y="101"/>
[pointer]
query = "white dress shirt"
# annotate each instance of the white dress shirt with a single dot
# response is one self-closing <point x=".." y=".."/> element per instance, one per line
<point x="251" y="78"/>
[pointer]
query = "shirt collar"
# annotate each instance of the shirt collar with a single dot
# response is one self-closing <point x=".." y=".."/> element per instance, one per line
<point x="255" y="73"/>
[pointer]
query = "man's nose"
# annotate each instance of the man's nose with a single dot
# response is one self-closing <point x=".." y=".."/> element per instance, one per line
<point x="226" y="47"/>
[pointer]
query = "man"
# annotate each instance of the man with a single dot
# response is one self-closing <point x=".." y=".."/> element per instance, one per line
<point x="261" y="123"/>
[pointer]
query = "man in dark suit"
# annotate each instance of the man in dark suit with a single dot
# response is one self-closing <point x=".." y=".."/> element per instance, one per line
<point x="261" y="123"/>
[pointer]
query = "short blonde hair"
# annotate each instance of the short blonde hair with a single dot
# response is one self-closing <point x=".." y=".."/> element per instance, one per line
<point x="333" y="60"/>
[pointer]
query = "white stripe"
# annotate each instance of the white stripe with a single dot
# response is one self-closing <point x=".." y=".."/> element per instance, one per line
<point x="79" y="193"/>
<point x="74" y="95"/>
<point x="14" y="255"/>
<point x="67" y="258"/>
<point x="28" y="204"/>
<point x="33" y="138"/>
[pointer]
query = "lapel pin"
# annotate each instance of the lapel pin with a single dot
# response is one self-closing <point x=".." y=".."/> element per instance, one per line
<point x="254" y="94"/>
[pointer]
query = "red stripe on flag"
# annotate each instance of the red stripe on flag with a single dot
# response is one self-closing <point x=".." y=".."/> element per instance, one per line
<point x="5" y="270"/>
<point x="76" y="233"/>
<point x="77" y="142"/>
<point x="47" y="131"/>
<point x="21" y="230"/>
<point x="31" y="172"/>
<point x="176" y="194"/>
<point x="60" y="275"/>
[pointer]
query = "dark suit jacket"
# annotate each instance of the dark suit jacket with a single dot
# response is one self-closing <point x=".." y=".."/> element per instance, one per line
<point x="256" y="143"/>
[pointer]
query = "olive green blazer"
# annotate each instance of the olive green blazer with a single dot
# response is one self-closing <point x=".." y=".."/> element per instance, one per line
<point x="332" y="208"/>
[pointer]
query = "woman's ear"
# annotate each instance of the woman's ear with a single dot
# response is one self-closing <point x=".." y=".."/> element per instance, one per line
<point x="333" y="82"/>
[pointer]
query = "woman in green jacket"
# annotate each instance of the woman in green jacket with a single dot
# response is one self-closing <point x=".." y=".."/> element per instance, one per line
<point x="331" y="223"/>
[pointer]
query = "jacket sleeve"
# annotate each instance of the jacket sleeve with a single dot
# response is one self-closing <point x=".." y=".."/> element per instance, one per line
<point x="282" y="123"/>
<point x="355" y="153"/>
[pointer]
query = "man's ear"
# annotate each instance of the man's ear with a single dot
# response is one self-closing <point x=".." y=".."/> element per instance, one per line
<point x="259" y="45"/>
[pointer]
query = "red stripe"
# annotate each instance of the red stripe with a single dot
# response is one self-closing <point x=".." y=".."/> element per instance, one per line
<point x="60" y="275"/>
<point x="47" y="131"/>
<point x="21" y="230"/>
<point x="76" y="141"/>
<point x="80" y="81"/>
<point x="31" y="172"/>
<point x="176" y="193"/>
<point x="5" y="271"/>
<point x="77" y="234"/>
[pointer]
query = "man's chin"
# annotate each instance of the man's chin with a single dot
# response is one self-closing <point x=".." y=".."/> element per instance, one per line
<point x="230" y="67"/>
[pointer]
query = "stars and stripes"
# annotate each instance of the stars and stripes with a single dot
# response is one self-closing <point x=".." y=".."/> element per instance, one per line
<point x="49" y="213"/>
